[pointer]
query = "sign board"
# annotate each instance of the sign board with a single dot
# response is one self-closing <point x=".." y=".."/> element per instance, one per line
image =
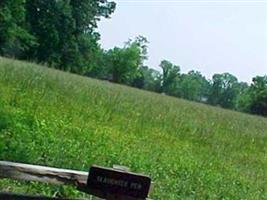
<point x="103" y="182"/>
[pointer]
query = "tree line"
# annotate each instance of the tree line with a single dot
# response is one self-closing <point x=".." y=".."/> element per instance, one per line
<point x="63" y="34"/>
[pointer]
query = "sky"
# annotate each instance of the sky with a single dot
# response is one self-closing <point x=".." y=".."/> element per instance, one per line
<point x="208" y="36"/>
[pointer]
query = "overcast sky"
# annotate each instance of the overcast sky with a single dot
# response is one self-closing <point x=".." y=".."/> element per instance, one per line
<point x="208" y="36"/>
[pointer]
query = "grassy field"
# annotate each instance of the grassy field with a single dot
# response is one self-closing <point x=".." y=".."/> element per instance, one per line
<point x="191" y="150"/>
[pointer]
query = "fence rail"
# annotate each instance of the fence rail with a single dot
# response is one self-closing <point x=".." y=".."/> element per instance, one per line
<point x="14" y="196"/>
<point x="43" y="174"/>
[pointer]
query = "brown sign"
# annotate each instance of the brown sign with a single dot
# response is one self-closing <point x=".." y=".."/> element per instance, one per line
<point x="105" y="182"/>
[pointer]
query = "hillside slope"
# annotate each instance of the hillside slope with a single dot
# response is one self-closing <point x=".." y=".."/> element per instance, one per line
<point x="191" y="151"/>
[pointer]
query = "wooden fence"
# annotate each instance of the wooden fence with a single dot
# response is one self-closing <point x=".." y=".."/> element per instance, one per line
<point x="50" y="175"/>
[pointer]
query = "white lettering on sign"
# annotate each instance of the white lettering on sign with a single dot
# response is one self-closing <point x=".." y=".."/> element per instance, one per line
<point x="111" y="181"/>
<point x="136" y="186"/>
<point x="121" y="183"/>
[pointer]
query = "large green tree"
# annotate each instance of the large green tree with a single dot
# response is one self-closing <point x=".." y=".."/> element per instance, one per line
<point x="243" y="98"/>
<point x="14" y="36"/>
<point x="258" y="92"/>
<point x="124" y="63"/>
<point x="150" y="79"/>
<point x="224" y="90"/>
<point x="193" y="86"/>
<point x="61" y="33"/>
<point x="170" y="77"/>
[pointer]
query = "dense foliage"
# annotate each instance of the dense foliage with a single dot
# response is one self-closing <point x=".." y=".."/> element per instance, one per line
<point x="62" y="34"/>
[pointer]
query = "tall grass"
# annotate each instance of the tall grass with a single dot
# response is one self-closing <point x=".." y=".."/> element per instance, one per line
<point x="191" y="150"/>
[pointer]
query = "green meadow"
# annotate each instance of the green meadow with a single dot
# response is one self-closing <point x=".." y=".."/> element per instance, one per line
<point x="190" y="150"/>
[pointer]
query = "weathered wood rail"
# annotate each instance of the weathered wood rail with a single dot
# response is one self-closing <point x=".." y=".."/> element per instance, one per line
<point x="43" y="174"/>
<point x="14" y="196"/>
<point x="51" y="175"/>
